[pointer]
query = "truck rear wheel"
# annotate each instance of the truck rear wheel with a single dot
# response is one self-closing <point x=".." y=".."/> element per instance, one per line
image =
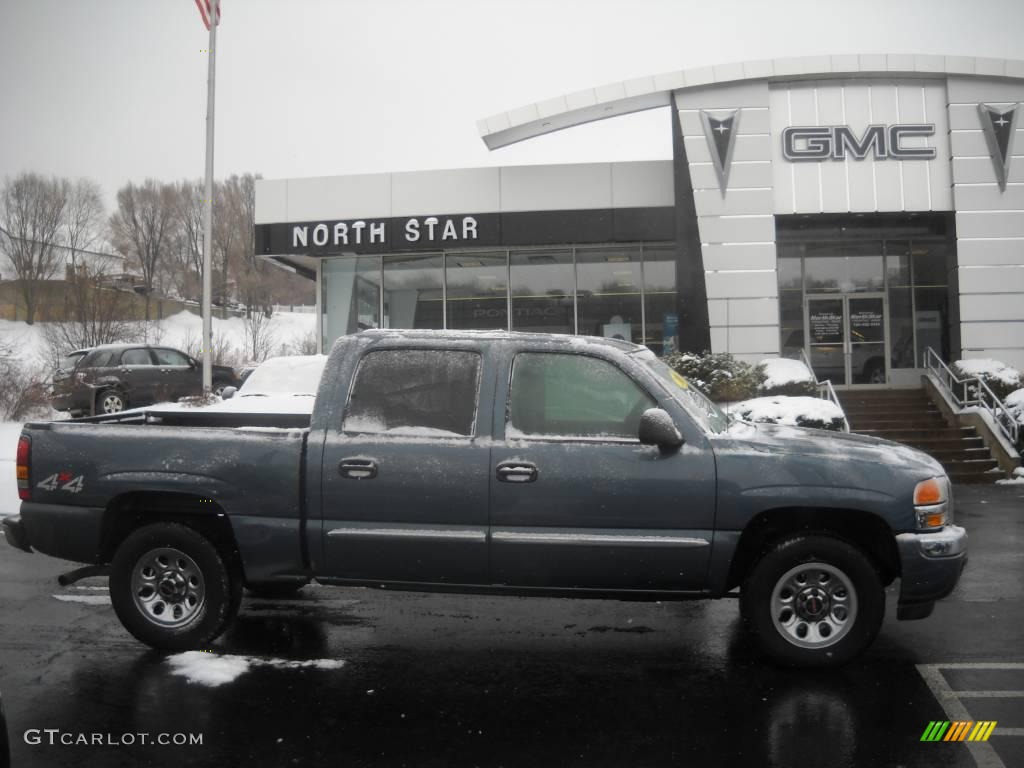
<point x="171" y="588"/>
<point x="813" y="601"/>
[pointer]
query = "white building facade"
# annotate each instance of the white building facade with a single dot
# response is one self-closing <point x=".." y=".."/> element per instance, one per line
<point x="862" y="209"/>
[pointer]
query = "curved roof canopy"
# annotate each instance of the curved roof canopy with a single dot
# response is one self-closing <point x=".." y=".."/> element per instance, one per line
<point x="629" y="96"/>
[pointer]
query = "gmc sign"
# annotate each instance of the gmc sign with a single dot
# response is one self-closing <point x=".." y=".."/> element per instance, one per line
<point x="837" y="142"/>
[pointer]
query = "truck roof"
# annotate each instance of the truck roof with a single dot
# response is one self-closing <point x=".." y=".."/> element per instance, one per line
<point x="556" y="339"/>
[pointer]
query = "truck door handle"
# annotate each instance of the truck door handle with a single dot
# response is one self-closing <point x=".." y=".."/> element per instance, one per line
<point x="357" y="469"/>
<point x="516" y="472"/>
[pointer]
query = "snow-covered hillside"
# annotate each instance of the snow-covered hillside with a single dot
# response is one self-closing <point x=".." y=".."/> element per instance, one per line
<point x="182" y="330"/>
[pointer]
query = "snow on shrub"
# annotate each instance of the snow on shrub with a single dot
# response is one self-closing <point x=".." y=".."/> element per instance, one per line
<point x="1015" y="407"/>
<point x="792" y="411"/>
<point x="1001" y="378"/>
<point x="783" y="376"/>
<point x="720" y="376"/>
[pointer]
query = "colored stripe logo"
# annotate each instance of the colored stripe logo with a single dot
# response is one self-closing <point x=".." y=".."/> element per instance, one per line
<point x="958" y="730"/>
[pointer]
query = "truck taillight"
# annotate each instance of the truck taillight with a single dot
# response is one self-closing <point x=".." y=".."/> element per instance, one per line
<point x="23" y="463"/>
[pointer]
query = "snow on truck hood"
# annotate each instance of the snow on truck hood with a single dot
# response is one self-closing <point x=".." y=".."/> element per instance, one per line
<point x="745" y="437"/>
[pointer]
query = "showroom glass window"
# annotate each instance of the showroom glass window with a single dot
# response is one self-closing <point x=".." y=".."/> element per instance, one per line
<point x="351" y="295"/>
<point x="542" y="290"/>
<point x="432" y="393"/>
<point x="477" y="289"/>
<point x="608" y="293"/>
<point x="560" y="395"/>
<point x="414" y="290"/>
<point x="661" y="319"/>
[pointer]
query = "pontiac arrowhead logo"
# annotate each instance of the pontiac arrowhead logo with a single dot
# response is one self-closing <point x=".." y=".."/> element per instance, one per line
<point x="721" y="135"/>
<point x="999" y="125"/>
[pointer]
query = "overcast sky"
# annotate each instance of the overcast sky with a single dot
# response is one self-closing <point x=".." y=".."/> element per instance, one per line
<point x="116" y="89"/>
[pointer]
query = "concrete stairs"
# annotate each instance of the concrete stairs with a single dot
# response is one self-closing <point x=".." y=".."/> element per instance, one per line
<point x="909" y="416"/>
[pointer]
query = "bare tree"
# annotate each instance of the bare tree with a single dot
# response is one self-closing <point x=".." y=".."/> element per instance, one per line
<point x="187" y="251"/>
<point x="259" y="335"/>
<point x="97" y="315"/>
<point x="142" y="228"/>
<point x="31" y="213"/>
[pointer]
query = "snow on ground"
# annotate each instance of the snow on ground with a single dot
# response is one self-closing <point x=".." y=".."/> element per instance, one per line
<point x="212" y="669"/>
<point x="1017" y="478"/>
<point x="791" y="411"/>
<point x="781" y="371"/>
<point x="988" y="368"/>
<point x="87" y="599"/>
<point x="286" y="329"/>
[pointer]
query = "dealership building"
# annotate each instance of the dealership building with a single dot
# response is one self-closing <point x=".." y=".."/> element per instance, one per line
<point x="859" y="208"/>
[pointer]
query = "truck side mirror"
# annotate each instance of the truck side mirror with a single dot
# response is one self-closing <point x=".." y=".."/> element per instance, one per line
<point x="228" y="392"/>
<point x="657" y="428"/>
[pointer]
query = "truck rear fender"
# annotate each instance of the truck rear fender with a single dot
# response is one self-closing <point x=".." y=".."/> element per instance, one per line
<point x="131" y="511"/>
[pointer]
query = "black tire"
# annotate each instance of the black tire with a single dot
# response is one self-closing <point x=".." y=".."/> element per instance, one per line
<point x="218" y="387"/>
<point x="200" y="592"/>
<point x="840" y="602"/>
<point x="111" y="401"/>
<point x="275" y="590"/>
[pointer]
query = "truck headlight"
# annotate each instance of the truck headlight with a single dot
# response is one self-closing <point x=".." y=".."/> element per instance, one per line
<point x="932" y="503"/>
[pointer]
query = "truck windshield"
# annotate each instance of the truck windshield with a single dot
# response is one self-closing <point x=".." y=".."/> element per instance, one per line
<point x="698" y="404"/>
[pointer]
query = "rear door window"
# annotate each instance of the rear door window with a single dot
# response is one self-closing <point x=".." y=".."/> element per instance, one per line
<point x="559" y="395"/>
<point x="424" y="392"/>
<point x="170" y="357"/>
<point x="136" y="357"/>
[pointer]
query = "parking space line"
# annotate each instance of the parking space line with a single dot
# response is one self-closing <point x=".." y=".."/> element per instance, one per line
<point x="984" y="754"/>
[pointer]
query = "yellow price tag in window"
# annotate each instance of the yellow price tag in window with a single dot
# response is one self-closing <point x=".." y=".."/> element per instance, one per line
<point x="681" y="382"/>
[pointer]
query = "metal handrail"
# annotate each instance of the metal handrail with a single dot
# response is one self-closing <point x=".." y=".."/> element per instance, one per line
<point x="825" y="389"/>
<point x="973" y="392"/>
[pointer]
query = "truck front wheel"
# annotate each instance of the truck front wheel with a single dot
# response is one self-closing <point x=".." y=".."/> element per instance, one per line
<point x="813" y="601"/>
<point x="171" y="588"/>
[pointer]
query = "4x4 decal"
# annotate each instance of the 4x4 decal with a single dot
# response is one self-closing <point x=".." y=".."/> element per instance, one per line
<point x="62" y="481"/>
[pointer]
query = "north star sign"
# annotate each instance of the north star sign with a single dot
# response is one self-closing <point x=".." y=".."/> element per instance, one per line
<point x="837" y="142"/>
<point x="412" y="231"/>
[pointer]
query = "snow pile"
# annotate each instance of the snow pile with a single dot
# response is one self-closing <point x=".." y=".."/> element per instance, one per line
<point x="791" y="411"/>
<point x="212" y="669"/>
<point x="1017" y="478"/>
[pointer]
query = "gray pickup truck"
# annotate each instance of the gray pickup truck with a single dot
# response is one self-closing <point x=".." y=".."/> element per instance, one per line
<point x="520" y="464"/>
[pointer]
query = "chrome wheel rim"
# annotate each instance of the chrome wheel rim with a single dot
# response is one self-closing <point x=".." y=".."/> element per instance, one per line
<point x="814" y="605"/>
<point x="168" y="587"/>
<point x="112" y="403"/>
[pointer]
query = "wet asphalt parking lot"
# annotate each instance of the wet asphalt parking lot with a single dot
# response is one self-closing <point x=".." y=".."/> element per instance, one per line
<point x="449" y="680"/>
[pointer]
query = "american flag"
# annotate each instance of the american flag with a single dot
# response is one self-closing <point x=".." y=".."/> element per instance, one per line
<point x="206" y="10"/>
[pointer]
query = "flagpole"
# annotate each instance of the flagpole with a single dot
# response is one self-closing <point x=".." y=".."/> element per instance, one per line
<point x="208" y="207"/>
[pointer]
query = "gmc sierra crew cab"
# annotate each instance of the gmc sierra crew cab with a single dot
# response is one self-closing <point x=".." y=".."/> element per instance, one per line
<point x="512" y="463"/>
